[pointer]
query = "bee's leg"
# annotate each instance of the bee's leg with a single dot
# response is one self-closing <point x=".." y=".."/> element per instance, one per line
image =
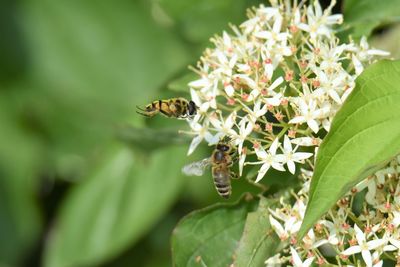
<point x="234" y="175"/>
<point x="146" y="111"/>
<point x="146" y="114"/>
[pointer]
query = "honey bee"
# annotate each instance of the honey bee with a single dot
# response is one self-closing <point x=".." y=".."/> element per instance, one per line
<point x="179" y="108"/>
<point x="221" y="161"/>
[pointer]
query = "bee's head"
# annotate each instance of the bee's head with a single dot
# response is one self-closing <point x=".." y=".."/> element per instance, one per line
<point x="223" y="147"/>
<point x="192" y="108"/>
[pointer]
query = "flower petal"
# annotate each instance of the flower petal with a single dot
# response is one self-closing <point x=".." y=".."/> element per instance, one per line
<point x="291" y="166"/>
<point x="313" y="125"/>
<point x="263" y="170"/>
<point x="277" y="226"/>
<point x="366" y="254"/>
<point x="298" y="119"/>
<point x="274" y="146"/>
<point x="287" y="145"/>
<point x="299" y="156"/>
<point x="373" y="244"/>
<point x="395" y="242"/>
<point x="359" y="234"/>
<point x="195" y="142"/>
<point x="278" y="166"/>
<point x="229" y="90"/>
<point x="352" y="250"/>
<point x="276" y="83"/>
<point x="296" y="259"/>
<point x="308" y="262"/>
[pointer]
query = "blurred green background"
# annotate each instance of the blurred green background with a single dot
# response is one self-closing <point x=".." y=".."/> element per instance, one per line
<point x="84" y="180"/>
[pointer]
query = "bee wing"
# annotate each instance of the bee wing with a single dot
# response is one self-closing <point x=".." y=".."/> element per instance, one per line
<point x="196" y="168"/>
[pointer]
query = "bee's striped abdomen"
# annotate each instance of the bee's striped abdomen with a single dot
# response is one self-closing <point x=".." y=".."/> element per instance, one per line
<point x="222" y="182"/>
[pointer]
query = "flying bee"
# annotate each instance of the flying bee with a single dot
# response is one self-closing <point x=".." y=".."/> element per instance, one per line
<point x="179" y="108"/>
<point x="221" y="161"/>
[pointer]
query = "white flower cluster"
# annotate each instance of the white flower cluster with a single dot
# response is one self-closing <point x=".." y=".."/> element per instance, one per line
<point x="272" y="89"/>
<point x="373" y="231"/>
<point x="275" y="83"/>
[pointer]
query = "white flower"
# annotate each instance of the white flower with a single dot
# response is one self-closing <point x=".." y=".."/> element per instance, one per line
<point x="365" y="53"/>
<point x="350" y="84"/>
<point x="396" y="219"/>
<point x="247" y="80"/>
<point x="306" y="141"/>
<point x="358" y="66"/>
<point x="282" y="233"/>
<point x="273" y="101"/>
<point x="202" y="106"/>
<point x="243" y="67"/>
<point x="395" y="242"/>
<point x="310" y="241"/>
<point x="332" y="237"/>
<point x="363" y="246"/>
<point x="225" y="65"/>
<point x="305" y="186"/>
<point x="274" y="85"/>
<point x="270" y="90"/>
<point x="290" y="226"/>
<point x="229" y="90"/>
<point x="376" y="259"/>
<point x="245" y="128"/>
<point x="388" y="237"/>
<point x="224" y="127"/>
<point x="258" y="111"/>
<point x="268" y="12"/>
<point x="371" y="185"/>
<point x="201" y="132"/>
<point x="318" y="23"/>
<point x="397" y="192"/>
<point x="274" y="261"/>
<point x="297" y="262"/>
<point x="309" y="114"/>
<point x="268" y="159"/>
<point x="249" y="25"/>
<point x="291" y="156"/>
<point x="330" y="85"/>
<point x="275" y="35"/>
<point x="331" y="55"/>
<point x="201" y="83"/>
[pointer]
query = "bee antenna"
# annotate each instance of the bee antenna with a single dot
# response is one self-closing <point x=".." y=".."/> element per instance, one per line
<point x="139" y="108"/>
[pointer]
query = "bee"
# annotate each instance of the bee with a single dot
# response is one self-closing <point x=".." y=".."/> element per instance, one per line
<point x="221" y="161"/>
<point x="179" y="108"/>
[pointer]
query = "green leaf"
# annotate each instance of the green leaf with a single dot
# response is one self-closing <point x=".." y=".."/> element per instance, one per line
<point x="114" y="206"/>
<point x="209" y="237"/>
<point x="366" y="15"/>
<point x="20" y="220"/>
<point x="365" y="134"/>
<point x="258" y="241"/>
